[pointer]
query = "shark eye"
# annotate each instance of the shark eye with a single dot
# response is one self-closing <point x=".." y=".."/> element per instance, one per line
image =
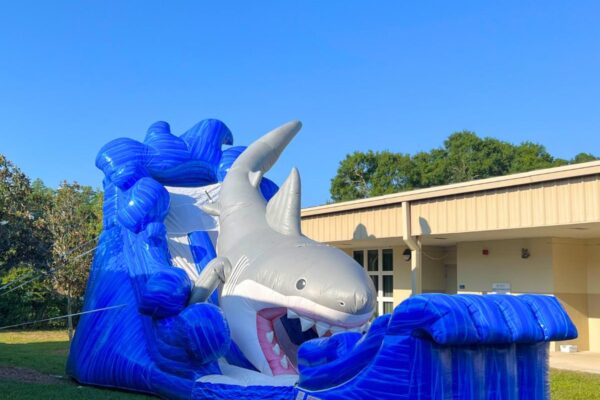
<point x="301" y="284"/>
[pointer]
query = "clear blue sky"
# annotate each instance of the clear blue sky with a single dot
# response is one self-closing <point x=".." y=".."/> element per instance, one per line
<point x="360" y="75"/>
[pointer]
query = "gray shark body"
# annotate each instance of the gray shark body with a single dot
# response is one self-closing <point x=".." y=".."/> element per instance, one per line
<point x="271" y="277"/>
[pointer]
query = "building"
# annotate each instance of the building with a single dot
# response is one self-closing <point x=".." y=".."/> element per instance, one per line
<point x="534" y="232"/>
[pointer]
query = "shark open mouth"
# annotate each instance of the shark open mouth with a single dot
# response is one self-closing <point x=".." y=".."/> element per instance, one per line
<point x="281" y="331"/>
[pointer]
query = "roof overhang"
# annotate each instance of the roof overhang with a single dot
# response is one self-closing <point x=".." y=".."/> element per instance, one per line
<point x="507" y="181"/>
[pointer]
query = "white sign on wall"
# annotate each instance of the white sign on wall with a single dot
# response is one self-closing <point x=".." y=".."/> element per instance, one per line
<point x="501" y="287"/>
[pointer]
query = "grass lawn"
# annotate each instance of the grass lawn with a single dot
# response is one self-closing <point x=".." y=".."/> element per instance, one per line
<point x="39" y="358"/>
<point x="32" y="366"/>
<point x="567" y="385"/>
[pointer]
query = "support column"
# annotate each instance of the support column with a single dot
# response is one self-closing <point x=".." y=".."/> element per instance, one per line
<point x="414" y="244"/>
<point x="416" y="276"/>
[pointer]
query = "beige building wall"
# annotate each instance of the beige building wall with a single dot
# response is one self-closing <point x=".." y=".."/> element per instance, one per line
<point x="569" y="201"/>
<point x="569" y="261"/>
<point x="434" y="271"/>
<point x="593" y="283"/>
<point x="402" y="289"/>
<point x="566" y="268"/>
<point x="503" y="264"/>
<point x="369" y="223"/>
<point x="451" y="269"/>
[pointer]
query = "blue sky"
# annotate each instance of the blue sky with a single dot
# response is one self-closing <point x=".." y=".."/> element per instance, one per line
<point x="362" y="75"/>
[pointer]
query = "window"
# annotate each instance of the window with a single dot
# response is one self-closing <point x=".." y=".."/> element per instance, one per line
<point x="359" y="257"/>
<point x="380" y="267"/>
<point x="388" y="259"/>
<point x="388" y="285"/>
<point x="373" y="259"/>
<point x="388" y="307"/>
<point x="375" y="282"/>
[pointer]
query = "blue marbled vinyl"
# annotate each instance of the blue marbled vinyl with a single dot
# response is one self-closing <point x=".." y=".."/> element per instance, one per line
<point x="431" y="347"/>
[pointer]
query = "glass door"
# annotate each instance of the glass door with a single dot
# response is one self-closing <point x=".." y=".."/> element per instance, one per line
<point x="379" y="264"/>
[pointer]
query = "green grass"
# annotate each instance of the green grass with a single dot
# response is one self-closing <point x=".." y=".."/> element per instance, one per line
<point x="567" y="385"/>
<point x="43" y="351"/>
<point x="46" y="353"/>
<point x="12" y="390"/>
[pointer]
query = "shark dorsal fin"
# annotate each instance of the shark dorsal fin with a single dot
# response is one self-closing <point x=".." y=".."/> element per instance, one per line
<point x="283" y="210"/>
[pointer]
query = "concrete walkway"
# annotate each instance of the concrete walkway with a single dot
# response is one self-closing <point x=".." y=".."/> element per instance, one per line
<point x="583" y="361"/>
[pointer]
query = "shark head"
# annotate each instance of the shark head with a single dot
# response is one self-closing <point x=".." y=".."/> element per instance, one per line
<point x="281" y="288"/>
<point x="300" y="290"/>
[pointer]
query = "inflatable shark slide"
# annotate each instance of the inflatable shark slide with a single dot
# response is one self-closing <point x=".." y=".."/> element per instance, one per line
<point x="207" y="289"/>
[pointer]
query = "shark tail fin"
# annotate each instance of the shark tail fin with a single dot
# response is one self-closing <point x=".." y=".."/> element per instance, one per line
<point x="283" y="210"/>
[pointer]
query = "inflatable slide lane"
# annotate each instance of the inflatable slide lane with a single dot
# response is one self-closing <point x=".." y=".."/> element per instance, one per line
<point x="205" y="288"/>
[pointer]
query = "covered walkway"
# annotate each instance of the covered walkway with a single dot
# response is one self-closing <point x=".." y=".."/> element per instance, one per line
<point x="583" y="361"/>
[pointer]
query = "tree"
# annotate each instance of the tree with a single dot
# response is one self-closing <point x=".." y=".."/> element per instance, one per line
<point x="25" y="248"/>
<point x="74" y="221"/>
<point x="583" y="157"/>
<point x="24" y="238"/>
<point x="430" y="168"/>
<point x="463" y="157"/>
<point x="470" y="157"/>
<point x="531" y="156"/>
<point x="35" y="300"/>
<point x="38" y="226"/>
<point x="371" y="174"/>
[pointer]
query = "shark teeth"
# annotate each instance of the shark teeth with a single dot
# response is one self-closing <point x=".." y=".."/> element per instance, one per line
<point x="276" y="349"/>
<point x="365" y="328"/>
<point x="306" y="323"/>
<point x="270" y="335"/>
<point x="284" y="362"/>
<point x="337" y="329"/>
<point x="322" y="328"/>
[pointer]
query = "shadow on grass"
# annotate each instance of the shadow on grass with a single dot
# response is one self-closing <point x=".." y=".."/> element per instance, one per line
<point x="37" y="371"/>
<point x="44" y="357"/>
<point x="65" y="390"/>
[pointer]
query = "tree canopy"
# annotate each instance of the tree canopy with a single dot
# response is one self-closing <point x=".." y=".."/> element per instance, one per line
<point x="24" y="238"/>
<point x="463" y="157"/>
<point x="39" y="226"/>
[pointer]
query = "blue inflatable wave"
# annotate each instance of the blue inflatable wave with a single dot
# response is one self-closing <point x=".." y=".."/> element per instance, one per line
<point x="151" y="340"/>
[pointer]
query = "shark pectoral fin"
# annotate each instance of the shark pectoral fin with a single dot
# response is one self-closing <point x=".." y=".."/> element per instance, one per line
<point x="283" y="210"/>
<point x="255" y="177"/>
<point x="211" y="209"/>
<point x="214" y="273"/>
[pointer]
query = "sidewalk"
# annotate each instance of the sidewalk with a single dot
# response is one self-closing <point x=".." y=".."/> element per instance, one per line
<point x="583" y="361"/>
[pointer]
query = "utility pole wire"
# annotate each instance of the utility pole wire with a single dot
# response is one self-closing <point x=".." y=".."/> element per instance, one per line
<point x="20" y="278"/>
<point x="62" y="316"/>
<point x="80" y="246"/>
<point x="64" y="255"/>
<point x="50" y="272"/>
